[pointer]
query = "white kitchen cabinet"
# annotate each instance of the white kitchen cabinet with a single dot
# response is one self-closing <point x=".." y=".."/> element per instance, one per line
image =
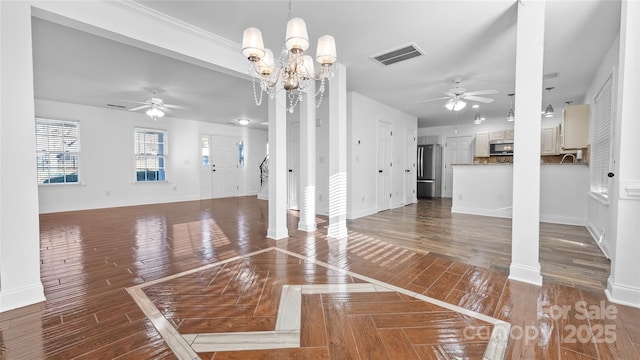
<point x="574" y="131"/>
<point x="549" y="143"/>
<point x="496" y="135"/>
<point x="482" y="144"/>
<point x="508" y="134"/>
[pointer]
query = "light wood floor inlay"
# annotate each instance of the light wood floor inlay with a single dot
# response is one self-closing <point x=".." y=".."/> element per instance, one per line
<point x="279" y="300"/>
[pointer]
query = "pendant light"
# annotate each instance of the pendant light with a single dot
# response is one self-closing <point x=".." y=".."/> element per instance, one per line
<point x="511" y="115"/>
<point x="549" y="112"/>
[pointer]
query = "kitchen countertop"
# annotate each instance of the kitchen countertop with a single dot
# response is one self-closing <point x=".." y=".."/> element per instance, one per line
<point x="503" y="164"/>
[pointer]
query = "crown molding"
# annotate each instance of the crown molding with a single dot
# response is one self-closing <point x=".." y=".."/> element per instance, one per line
<point x="141" y="9"/>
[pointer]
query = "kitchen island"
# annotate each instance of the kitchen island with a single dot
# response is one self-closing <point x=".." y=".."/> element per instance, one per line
<point x="487" y="189"/>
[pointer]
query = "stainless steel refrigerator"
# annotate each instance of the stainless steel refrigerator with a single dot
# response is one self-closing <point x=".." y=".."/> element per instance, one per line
<point x="429" y="171"/>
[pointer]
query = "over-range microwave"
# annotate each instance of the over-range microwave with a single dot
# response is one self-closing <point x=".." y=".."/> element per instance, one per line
<point x="501" y="147"/>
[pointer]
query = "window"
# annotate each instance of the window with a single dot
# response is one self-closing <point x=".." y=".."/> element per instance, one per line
<point x="57" y="151"/>
<point x="204" y="151"/>
<point x="601" y="140"/>
<point x="150" y="150"/>
<point x="241" y="154"/>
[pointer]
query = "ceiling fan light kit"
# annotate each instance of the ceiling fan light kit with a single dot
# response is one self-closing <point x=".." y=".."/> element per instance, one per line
<point x="293" y="69"/>
<point x="457" y="97"/>
<point x="455" y="105"/>
<point x="154" y="113"/>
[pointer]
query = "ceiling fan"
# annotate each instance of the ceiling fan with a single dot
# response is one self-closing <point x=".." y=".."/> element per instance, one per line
<point x="456" y="97"/>
<point x="156" y="107"/>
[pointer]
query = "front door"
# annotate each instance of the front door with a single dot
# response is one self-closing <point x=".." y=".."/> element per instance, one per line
<point x="218" y="166"/>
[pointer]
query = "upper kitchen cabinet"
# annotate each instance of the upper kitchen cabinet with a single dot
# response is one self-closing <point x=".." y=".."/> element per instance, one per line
<point x="482" y="144"/>
<point x="574" y="131"/>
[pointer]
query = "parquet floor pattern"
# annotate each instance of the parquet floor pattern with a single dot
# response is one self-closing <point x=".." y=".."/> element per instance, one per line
<point x="243" y="296"/>
<point x="90" y="257"/>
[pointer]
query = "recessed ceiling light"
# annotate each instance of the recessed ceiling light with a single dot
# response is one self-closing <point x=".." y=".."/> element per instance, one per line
<point x="475" y="106"/>
<point x="243" y="122"/>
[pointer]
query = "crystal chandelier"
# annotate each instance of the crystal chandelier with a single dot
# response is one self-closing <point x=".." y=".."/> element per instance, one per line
<point x="293" y="69"/>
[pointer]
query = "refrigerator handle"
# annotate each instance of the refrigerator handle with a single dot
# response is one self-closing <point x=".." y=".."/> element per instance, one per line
<point x="421" y="161"/>
<point x="418" y="162"/>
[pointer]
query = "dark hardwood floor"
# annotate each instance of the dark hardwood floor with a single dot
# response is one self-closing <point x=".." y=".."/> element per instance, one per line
<point x="90" y="259"/>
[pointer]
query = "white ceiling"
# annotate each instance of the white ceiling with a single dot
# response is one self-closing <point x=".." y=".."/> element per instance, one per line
<point x="470" y="40"/>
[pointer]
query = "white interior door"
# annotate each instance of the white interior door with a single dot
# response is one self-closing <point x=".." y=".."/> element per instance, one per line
<point x="457" y="151"/>
<point x="293" y="164"/>
<point x="218" y="171"/>
<point x="384" y="166"/>
<point x="410" y="167"/>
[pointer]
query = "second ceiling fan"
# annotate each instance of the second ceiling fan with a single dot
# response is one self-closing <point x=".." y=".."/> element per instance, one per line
<point x="456" y="97"/>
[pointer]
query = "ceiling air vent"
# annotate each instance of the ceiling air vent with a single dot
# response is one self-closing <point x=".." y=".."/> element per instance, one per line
<point x="397" y="55"/>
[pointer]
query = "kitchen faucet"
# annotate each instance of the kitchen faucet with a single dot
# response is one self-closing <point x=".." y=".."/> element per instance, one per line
<point x="565" y="155"/>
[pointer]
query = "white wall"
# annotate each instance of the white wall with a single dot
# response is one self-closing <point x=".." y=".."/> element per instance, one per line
<point x="362" y="142"/>
<point x="487" y="190"/>
<point x="106" y="159"/>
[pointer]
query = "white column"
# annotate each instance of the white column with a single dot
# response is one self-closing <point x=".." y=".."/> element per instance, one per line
<point x="307" y="197"/>
<point x="278" y="167"/>
<point x="338" y="153"/>
<point x="623" y="286"/>
<point x="525" y="264"/>
<point x="19" y="224"/>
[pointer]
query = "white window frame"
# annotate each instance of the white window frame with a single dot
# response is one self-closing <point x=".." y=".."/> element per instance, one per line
<point x="76" y="124"/>
<point x="601" y="156"/>
<point x="164" y="155"/>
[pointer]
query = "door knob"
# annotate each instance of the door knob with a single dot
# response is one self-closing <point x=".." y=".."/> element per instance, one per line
<point x="379" y="171"/>
<point x="290" y="170"/>
<point x="611" y="174"/>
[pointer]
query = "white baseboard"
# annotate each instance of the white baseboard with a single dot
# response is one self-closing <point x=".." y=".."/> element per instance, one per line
<point x="623" y="294"/>
<point x="526" y="274"/>
<point x="482" y="212"/>
<point x="564" y="220"/>
<point x="507" y="213"/>
<point x="263" y="196"/>
<point x="361" y="213"/>
<point x="598" y="237"/>
<point x="24" y="296"/>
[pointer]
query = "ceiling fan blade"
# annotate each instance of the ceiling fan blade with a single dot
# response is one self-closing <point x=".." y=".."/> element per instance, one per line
<point x="164" y="108"/>
<point x="140" y="107"/>
<point x="427" y="100"/>
<point x="479" y="99"/>
<point x="482" y="92"/>
<point x="173" y="106"/>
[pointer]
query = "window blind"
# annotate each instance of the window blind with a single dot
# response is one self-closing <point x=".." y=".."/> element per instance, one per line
<point x="150" y="154"/>
<point x="601" y="153"/>
<point x="57" y="151"/>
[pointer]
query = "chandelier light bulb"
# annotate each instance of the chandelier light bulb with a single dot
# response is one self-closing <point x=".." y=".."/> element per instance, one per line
<point x="297" y="38"/>
<point x="308" y="69"/>
<point x="252" y="44"/>
<point x="266" y="66"/>
<point x="326" y="51"/>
